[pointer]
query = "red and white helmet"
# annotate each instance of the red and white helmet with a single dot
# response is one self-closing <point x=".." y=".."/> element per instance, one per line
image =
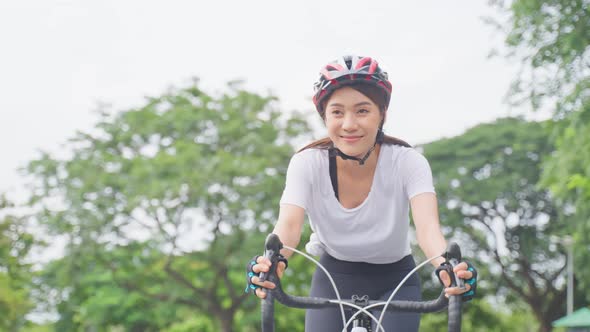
<point x="350" y="69"/>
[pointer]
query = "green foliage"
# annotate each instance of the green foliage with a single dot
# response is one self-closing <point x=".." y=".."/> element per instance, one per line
<point x="39" y="328"/>
<point x="486" y="181"/>
<point x="567" y="175"/>
<point x="162" y="206"/>
<point x="551" y="38"/>
<point x="16" y="275"/>
<point x="112" y="288"/>
<point x="193" y="323"/>
<point x="480" y="316"/>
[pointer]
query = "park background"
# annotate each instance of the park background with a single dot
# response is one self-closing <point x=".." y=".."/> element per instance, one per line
<point x="144" y="147"/>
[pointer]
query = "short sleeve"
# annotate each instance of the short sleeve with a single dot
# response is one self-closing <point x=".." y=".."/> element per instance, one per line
<point x="298" y="182"/>
<point x="416" y="173"/>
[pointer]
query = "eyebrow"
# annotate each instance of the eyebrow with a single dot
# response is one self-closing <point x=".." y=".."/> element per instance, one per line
<point x="363" y="103"/>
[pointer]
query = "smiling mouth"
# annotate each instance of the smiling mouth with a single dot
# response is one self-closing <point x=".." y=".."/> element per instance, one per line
<point x="351" y="138"/>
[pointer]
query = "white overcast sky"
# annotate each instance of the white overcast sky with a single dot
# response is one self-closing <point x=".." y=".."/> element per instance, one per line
<point x="58" y="59"/>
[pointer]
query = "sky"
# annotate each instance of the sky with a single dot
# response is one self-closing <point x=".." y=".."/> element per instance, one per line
<point x="60" y="59"/>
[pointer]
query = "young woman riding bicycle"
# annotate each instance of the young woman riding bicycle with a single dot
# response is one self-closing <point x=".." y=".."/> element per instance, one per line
<point x="357" y="187"/>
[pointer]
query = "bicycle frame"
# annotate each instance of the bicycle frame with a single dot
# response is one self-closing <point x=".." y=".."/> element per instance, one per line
<point x="273" y="246"/>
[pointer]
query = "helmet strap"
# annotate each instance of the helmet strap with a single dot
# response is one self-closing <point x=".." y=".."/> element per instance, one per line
<point x="334" y="151"/>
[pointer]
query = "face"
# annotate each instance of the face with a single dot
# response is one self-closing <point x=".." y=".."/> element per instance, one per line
<point x="352" y="120"/>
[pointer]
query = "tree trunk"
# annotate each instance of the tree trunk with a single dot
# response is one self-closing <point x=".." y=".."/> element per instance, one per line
<point x="545" y="326"/>
<point x="226" y="320"/>
<point x="542" y="317"/>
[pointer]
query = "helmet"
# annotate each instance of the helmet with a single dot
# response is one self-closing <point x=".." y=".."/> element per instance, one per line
<point x="347" y="70"/>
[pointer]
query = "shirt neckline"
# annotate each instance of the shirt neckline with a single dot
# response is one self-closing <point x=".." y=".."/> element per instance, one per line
<point x="371" y="190"/>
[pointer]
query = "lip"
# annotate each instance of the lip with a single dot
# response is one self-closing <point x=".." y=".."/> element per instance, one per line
<point x="351" y="139"/>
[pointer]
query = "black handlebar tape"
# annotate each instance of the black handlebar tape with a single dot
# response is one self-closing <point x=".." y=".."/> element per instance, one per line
<point x="455" y="302"/>
<point x="317" y="303"/>
<point x="268" y="313"/>
<point x="272" y="248"/>
<point x="418" y="306"/>
<point x="298" y="301"/>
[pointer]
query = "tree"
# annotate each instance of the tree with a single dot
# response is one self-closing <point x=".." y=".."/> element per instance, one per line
<point x="163" y="205"/>
<point x="486" y="181"/>
<point x="16" y="275"/>
<point x="551" y="39"/>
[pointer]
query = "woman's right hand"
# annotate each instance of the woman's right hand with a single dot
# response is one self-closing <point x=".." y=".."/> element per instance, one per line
<point x="263" y="264"/>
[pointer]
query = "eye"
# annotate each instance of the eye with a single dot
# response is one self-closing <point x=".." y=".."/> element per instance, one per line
<point x="336" y="112"/>
<point x="363" y="111"/>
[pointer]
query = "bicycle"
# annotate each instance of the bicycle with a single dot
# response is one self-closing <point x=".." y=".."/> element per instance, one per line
<point x="361" y="320"/>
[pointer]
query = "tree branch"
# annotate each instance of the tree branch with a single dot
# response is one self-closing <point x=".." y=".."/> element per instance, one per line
<point x="146" y="226"/>
<point x="553" y="277"/>
<point x="508" y="279"/>
<point x="525" y="272"/>
<point x="182" y="280"/>
<point x="163" y="297"/>
<point x="161" y="224"/>
<point x="133" y="287"/>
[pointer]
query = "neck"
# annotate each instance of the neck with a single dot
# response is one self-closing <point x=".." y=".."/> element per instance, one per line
<point x="354" y="167"/>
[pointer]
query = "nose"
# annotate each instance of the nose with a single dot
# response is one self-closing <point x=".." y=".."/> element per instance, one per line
<point x="349" y="122"/>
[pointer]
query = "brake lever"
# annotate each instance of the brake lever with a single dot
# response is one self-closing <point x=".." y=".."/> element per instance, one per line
<point x="453" y="256"/>
<point x="273" y="246"/>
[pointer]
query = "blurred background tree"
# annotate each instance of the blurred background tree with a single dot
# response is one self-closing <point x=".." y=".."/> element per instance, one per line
<point x="486" y="182"/>
<point x="16" y="270"/>
<point x="551" y="39"/>
<point x="160" y="207"/>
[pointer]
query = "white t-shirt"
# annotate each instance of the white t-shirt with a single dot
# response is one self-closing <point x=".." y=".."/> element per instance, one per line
<point x="376" y="231"/>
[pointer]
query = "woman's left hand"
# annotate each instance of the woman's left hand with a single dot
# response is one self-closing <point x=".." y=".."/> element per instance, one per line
<point x="463" y="270"/>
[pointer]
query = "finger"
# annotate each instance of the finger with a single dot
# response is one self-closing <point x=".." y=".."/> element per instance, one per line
<point x="446" y="279"/>
<point x="260" y="293"/>
<point x="281" y="269"/>
<point x="463" y="274"/>
<point x="457" y="290"/>
<point x="266" y="284"/>
<point x="260" y="267"/>
<point x="460" y="267"/>
<point x="263" y="260"/>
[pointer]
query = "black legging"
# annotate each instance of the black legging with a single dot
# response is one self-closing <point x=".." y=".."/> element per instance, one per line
<point x="376" y="280"/>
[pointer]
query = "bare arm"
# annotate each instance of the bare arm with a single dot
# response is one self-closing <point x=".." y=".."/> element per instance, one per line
<point x="289" y="226"/>
<point x="431" y="239"/>
<point x="428" y="233"/>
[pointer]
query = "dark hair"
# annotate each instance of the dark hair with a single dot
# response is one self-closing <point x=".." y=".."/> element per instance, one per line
<point x="376" y="96"/>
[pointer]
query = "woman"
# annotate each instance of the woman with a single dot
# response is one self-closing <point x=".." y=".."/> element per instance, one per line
<point x="357" y="187"/>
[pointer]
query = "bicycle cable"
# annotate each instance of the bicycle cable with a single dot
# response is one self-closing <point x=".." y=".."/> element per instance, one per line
<point x="327" y="274"/>
<point x="360" y="309"/>
<point x="401" y="283"/>
<point x="385" y="304"/>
